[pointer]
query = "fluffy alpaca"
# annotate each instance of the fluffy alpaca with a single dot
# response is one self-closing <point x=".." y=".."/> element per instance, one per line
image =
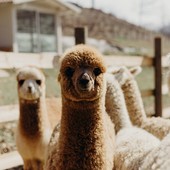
<point x="34" y="128"/>
<point x="115" y="105"/>
<point x="132" y="144"/>
<point x="158" y="126"/>
<point x="86" y="139"/>
<point x="159" y="158"/>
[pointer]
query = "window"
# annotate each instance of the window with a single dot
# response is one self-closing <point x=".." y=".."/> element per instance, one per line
<point x="36" y="31"/>
<point x="47" y="32"/>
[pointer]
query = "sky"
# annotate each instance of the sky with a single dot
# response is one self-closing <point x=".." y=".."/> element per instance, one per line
<point x="152" y="14"/>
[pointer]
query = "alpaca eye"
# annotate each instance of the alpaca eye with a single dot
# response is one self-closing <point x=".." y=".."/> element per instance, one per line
<point x="21" y="82"/>
<point x="97" y="71"/>
<point x="69" y="72"/>
<point x="38" y="82"/>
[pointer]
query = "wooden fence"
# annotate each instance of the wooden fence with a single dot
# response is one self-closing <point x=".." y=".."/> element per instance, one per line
<point x="10" y="60"/>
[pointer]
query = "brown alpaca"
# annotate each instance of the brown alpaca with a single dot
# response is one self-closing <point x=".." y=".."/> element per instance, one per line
<point x="158" y="126"/>
<point x="34" y="128"/>
<point x="86" y="139"/>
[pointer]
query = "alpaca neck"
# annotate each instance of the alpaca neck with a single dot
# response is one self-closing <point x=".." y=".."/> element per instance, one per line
<point x="32" y="116"/>
<point x="134" y="102"/>
<point x="115" y="105"/>
<point x="81" y="139"/>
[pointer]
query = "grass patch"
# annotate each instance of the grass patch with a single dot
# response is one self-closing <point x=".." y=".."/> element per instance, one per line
<point x="145" y="81"/>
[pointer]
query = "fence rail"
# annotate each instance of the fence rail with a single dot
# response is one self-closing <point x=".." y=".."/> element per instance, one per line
<point x="9" y="60"/>
<point x="16" y="60"/>
<point x="9" y="160"/>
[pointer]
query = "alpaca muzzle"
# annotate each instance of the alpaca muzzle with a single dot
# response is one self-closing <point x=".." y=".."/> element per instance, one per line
<point x="85" y="82"/>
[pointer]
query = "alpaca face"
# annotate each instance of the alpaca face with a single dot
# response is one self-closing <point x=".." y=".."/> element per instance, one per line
<point x="81" y="74"/>
<point x="123" y="74"/>
<point x="31" y="83"/>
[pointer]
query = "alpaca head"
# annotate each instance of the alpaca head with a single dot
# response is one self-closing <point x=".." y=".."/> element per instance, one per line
<point x="31" y="83"/>
<point x="82" y="74"/>
<point x="123" y="74"/>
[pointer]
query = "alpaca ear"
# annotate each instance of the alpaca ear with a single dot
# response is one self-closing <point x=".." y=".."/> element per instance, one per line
<point x="116" y="69"/>
<point x="135" y="70"/>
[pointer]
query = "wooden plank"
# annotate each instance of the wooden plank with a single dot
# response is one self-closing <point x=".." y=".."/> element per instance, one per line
<point x="9" y="160"/>
<point x="158" y="77"/>
<point x="10" y="60"/>
<point x="4" y="73"/>
<point x="147" y="93"/>
<point x="165" y="61"/>
<point x="165" y="89"/>
<point x="166" y="113"/>
<point x="9" y="113"/>
<point x="128" y="61"/>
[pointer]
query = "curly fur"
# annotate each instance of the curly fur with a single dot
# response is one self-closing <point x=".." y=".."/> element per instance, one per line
<point x="132" y="143"/>
<point x="86" y="139"/>
<point x="158" y="126"/>
<point x="34" y="127"/>
<point x="115" y="104"/>
<point x="158" y="158"/>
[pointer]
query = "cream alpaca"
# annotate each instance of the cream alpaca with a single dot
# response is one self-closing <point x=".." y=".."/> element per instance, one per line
<point x="86" y="139"/>
<point x="159" y="158"/>
<point x="158" y="126"/>
<point x="34" y="128"/>
<point x="132" y="144"/>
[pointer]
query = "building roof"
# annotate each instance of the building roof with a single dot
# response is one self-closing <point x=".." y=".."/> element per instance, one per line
<point x="64" y="5"/>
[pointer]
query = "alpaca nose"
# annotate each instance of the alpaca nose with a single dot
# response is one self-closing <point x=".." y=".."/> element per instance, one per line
<point x="29" y="89"/>
<point x="84" y="80"/>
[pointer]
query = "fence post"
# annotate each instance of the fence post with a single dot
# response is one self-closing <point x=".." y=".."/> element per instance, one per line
<point x="158" y="76"/>
<point x="80" y="35"/>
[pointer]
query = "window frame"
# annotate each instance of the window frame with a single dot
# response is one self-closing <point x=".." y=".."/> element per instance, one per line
<point x="38" y="10"/>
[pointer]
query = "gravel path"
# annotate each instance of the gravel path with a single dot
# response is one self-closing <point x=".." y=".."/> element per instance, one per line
<point x="7" y="141"/>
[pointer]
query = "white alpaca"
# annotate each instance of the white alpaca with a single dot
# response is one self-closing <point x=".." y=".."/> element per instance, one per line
<point x="158" y="126"/>
<point x="158" y="158"/>
<point x="132" y="144"/>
